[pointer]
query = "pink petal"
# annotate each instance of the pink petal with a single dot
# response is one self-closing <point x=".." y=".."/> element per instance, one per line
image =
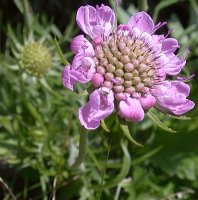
<point x="85" y="15"/>
<point x="147" y="102"/>
<point x="175" y="64"/>
<point x="80" y="44"/>
<point x="95" y="22"/>
<point x="67" y="80"/>
<point x="171" y="97"/>
<point x="99" y="106"/>
<point x="142" y="21"/>
<point x="85" y="118"/>
<point x="170" y="45"/>
<point x="180" y="110"/>
<point x="131" y="109"/>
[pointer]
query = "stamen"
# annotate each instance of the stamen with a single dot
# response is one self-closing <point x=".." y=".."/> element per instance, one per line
<point x="157" y="26"/>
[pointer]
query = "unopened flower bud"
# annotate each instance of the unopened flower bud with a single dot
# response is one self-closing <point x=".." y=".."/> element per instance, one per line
<point x="97" y="80"/>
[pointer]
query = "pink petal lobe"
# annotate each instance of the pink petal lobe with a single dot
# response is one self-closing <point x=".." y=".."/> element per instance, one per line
<point x="131" y="109"/>
<point x="142" y="21"/>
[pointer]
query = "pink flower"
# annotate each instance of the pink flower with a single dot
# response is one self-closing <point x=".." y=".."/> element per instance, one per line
<point x="99" y="106"/>
<point x="128" y="67"/>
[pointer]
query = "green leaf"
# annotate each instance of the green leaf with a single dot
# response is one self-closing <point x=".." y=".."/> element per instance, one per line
<point x="126" y="131"/>
<point x="19" y="5"/>
<point x="6" y="123"/>
<point x="161" y="5"/>
<point x="179" y="117"/>
<point x="156" y="120"/>
<point x="104" y="126"/>
<point x="84" y="93"/>
<point x="60" y="53"/>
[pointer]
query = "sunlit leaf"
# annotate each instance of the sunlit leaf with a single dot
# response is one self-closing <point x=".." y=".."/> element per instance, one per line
<point x="157" y="121"/>
<point x="127" y="133"/>
<point x="104" y="126"/>
<point x="179" y="117"/>
<point x="60" y="53"/>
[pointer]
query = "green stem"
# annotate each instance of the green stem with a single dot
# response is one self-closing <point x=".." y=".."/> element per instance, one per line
<point x="143" y="5"/>
<point x="116" y="16"/>
<point x="104" y="171"/>
<point x="7" y="189"/>
<point x="82" y="150"/>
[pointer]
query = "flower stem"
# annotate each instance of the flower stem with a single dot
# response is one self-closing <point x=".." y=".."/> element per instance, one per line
<point x="143" y="5"/>
<point x="82" y="150"/>
<point x="104" y="171"/>
<point x="7" y="189"/>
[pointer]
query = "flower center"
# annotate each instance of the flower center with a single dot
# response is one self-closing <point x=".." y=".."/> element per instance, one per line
<point x="128" y="65"/>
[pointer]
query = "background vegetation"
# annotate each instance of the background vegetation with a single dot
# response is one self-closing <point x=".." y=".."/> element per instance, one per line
<point x="39" y="128"/>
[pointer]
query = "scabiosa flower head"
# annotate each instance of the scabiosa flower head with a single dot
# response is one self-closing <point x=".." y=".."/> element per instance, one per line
<point x="128" y="67"/>
<point x="35" y="59"/>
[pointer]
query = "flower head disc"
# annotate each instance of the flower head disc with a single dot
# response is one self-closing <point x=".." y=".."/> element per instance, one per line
<point x="128" y="64"/>
<point x="129" y="67"/>
<point x="35" y="59"/>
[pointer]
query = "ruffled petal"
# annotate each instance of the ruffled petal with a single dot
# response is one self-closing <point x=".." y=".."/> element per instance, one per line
<point x="183" y="108"/>
<point x="80" y="44"/>
<point x="99" y="106"/>
<point x="95" y="22"/>
<point x="67" y="79"/>
<point x="171" y="97"/>
<point x="175" y="65"/>
<point x="84" y="17"/>
<point x="142" y="21"/>
<point x="82" y="69"/>
<point x="85" y="117"/>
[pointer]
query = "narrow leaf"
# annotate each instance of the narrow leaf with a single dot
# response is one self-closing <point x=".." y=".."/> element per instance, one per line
<point x="104" y="126"/>
<point x="179" y="117"/>
<point x="156" y="120"/>
<point x="84" y="93"/>
<point x="126" y="131"/>
<point x="19" y="5"/>
<point x="60" y="53"/>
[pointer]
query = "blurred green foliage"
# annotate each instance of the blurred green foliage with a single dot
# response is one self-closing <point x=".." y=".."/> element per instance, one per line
<point x="39" y="127"/>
